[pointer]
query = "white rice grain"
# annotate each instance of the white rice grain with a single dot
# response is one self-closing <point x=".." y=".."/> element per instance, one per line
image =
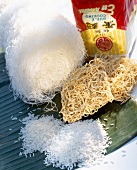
<point x="37" y="133"/>
<point x="80" y="143"/>
<point x="65" y="145"/>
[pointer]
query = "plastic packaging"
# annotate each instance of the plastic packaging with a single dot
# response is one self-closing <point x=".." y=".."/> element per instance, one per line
<point x="103" y="24"/>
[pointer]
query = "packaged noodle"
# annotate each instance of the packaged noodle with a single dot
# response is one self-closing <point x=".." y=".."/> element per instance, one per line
<point x="103" y="24"/>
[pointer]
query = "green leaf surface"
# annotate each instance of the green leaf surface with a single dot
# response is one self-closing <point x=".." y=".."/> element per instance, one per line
<point x="120" y="119"/>
<point x="121" y="122"/>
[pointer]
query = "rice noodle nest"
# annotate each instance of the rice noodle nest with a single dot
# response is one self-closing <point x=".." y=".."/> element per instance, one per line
<point x="42" y="50"/>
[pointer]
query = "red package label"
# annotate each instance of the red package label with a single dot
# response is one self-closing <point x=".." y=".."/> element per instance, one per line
<point x="103" y="23"/>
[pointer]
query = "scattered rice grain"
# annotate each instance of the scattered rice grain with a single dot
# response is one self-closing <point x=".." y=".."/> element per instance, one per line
<point x="112" y="162"/>
<point x="38" y="108"/>
<point x="103" y="125"/>
<point x="14" y="118"/>
<point x="105" y="162"/>
<point x="112" y="124"/>
<point x="20" y="154"/>
<point x="123" y="155"/>
<point x="123" y="151"/>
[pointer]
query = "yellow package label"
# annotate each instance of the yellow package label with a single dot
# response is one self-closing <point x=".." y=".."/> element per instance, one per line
<point x="102" y="34"/>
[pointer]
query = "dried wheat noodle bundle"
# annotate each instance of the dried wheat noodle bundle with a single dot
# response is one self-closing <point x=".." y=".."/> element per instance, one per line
<point x="86" y="91"/>
<point x="104" y="79"/>
<point x="124" y="80"/>
<point x="122" y="73"/>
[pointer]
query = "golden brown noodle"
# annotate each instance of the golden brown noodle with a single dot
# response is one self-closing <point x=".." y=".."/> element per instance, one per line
<point x="104" y="79"/>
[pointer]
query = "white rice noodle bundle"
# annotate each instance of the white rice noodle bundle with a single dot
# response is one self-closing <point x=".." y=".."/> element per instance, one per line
<point x="9" y="7"/>
<point x="42" y="49"/>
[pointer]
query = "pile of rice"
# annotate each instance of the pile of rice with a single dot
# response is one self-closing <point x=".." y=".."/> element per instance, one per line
<point x="64" y="145"/>
<point x="42" y="49"/>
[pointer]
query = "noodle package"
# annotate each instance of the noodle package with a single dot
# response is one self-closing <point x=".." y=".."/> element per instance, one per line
<point x="103" y="24"/>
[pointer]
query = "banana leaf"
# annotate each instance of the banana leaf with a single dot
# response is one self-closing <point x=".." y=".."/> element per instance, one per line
<point x="120" y="120"/>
